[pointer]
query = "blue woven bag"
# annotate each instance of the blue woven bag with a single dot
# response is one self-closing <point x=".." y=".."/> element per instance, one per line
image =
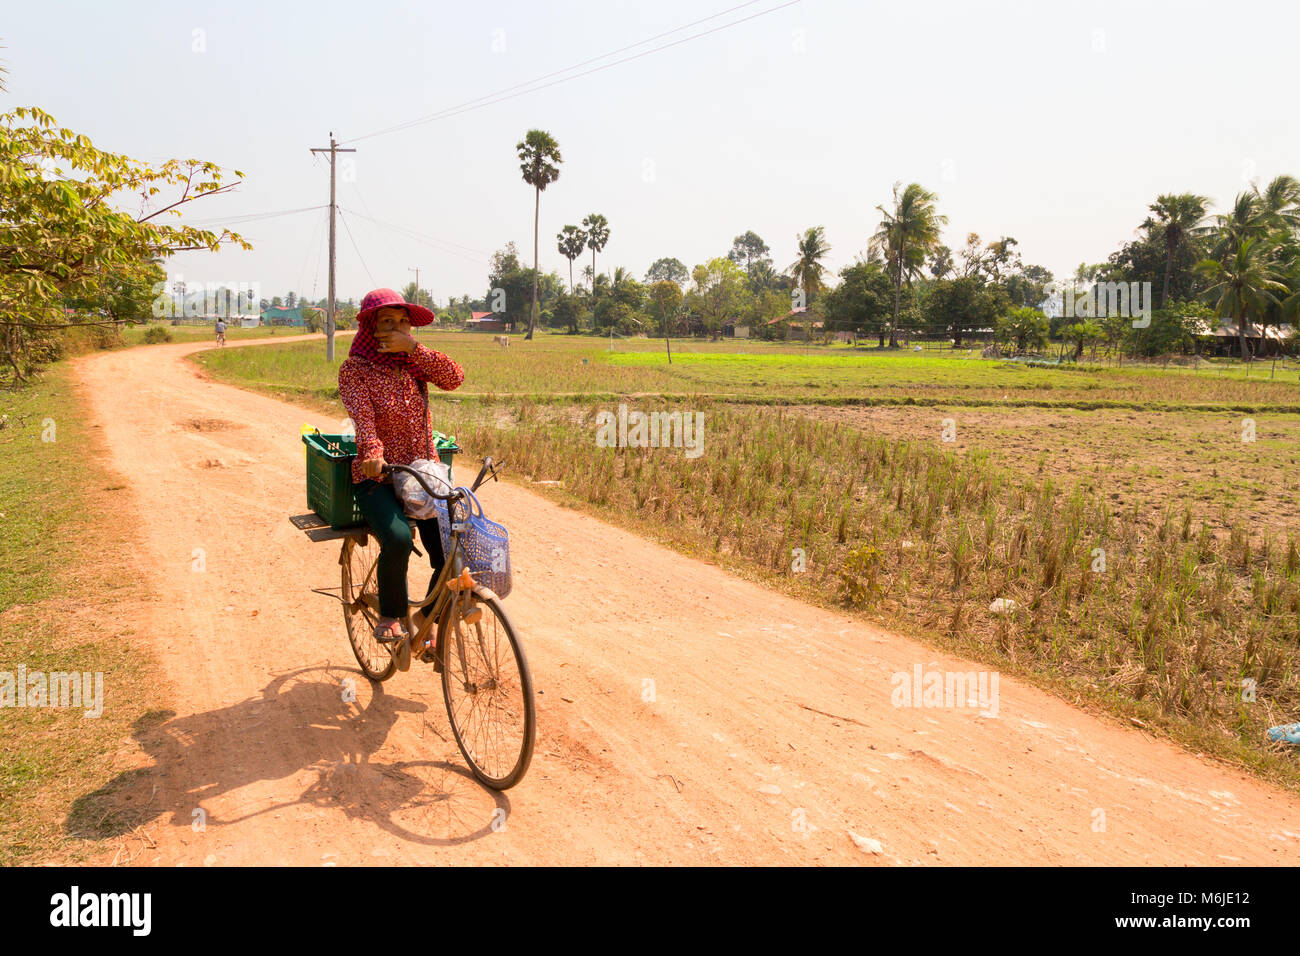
<point x="486" y="544"/>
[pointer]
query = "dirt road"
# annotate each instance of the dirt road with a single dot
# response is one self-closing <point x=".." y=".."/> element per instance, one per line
<point x="685" y="716"/>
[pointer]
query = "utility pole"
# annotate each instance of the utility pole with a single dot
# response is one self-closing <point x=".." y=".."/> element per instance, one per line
<point x="416" y="270"/>
<point x="329" y="313"/>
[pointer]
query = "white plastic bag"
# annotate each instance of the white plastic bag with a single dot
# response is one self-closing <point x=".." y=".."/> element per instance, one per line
<point x="416" y="502"/>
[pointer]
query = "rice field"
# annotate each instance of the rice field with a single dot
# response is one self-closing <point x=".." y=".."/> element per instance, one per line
<point x="1149" y="555"/>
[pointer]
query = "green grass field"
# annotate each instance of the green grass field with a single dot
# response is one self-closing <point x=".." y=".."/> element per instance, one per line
<point x="559" y="367"/>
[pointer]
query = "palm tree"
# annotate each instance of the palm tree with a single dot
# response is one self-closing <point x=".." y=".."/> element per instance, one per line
<point x="1180" y="214"/>
<point x="808" y="270"/>
<point x="1246" y="282"/>
<point x="1280" y="209"/>
<point x="906" y="236"/>
<point x="539" y="161"/>
<point x="572" y="241"/>
<point x="597" y="227"/>
<point x="1280" y="202"/>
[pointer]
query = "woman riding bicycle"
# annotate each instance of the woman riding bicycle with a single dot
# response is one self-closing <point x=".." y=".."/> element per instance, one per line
<point x="384" y="387"/>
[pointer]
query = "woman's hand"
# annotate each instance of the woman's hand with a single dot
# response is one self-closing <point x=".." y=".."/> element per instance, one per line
<point x="373" y="467"/>
<point x="395" y="340"/>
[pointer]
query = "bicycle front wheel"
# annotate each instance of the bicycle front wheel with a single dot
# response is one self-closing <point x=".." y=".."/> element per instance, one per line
<point x="488" y="690"/>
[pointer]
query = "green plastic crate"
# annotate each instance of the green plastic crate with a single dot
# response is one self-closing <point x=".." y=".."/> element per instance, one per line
<point x="329" y="475"/>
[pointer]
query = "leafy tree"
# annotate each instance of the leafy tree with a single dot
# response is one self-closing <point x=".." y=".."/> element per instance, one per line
<point x="1002" y="258"/>
<point x="569" y="312"/>
<point x="417" y="296"/>
<point x="291" y="300"/>
<point x="597" y="228"/>
<point x="717" y="289"/>
<point x="906" y="235"/>
<point x="808" y="270"/>
<point x="667" y="270"/>
<point x="1173" y="329"/>
<point x="1024" y="328"/>
<point x="572" y="241"/>
<point x="61" y="238"/>
<point x="539" y="161"/>
<point x="862" y="302"/>
<point x="973" y="256"/>
<point x="666" y="298"/>
<point x="757" y="308"/>
<point x="957" y="306"/>
<point x="1082" y="334"/>
<point x="516" y="285"/>
<point x="345" y="314"/>
<point x="1029" y="285"/>
<point x="748" y="250"/>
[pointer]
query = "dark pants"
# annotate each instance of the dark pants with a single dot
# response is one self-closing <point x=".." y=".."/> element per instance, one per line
<point x="383" y="512"/>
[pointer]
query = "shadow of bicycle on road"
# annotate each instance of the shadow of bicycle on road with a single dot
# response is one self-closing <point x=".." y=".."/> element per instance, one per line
<point x="319" y="727"/>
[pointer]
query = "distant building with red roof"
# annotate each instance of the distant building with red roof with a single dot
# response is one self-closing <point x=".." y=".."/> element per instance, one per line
<point x="488" y="322"/>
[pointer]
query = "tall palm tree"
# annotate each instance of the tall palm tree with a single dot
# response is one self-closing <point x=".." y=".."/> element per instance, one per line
<point x="1280" y="202"/>
<point x="1245" y="221"/>
<point x="1180" y="214"/>
<point x="906" y="235"/>
<point x="1246" y="282"/>
<point x="572" y="241"/>
<point x="597" y="227"/>
<point x="1280" y="209"/>
<point x="539" y="161"/>
<point x="808" y="270"/>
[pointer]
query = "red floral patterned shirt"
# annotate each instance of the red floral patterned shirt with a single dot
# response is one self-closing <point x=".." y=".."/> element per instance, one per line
<point x="386" y="405"/>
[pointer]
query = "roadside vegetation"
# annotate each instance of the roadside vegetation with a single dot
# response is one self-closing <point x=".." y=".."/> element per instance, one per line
<point x="65" y="568"/>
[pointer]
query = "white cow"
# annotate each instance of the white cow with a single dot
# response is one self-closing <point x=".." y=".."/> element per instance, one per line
<point x="502" y="340"/>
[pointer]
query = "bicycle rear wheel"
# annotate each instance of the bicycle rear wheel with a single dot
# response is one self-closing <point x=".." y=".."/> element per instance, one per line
<point x="489" y="692"/>
<point x="361" y="606"/>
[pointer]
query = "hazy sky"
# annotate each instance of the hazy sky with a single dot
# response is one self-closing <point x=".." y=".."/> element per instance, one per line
<point x="1055" y="123"/>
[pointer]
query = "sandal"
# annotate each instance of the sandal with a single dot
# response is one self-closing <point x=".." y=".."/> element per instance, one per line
<point x="389" y="631"/>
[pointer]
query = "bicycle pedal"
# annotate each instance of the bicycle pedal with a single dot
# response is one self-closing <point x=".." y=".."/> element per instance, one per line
<point x="463" y="583"/>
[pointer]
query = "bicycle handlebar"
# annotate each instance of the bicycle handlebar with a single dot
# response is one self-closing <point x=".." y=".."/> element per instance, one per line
<point x="455" y="492"/>
<point x="489" y="468"/>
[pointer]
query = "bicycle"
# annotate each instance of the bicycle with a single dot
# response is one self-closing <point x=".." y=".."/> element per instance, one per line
<point x="486" y="683"/>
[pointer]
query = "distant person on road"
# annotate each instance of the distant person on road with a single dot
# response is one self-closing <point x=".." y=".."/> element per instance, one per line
<point x="384" y="385"/>
<point x="221" y="332"/>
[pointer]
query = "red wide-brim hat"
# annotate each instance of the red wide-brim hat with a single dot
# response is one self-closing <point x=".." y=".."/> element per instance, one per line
<point x="380" y="298"/>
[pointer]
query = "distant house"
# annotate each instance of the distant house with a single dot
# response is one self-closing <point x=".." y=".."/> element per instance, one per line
<point x="1224" y="339"/>
<point x="488" y="322"/>
<point x="276" y="315"/>
<point x="794" y="324"/>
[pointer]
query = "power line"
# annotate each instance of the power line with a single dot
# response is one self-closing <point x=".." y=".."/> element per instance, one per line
<point x="428" y="240"/>
<point x="422" y="235"/>
<point x="251" y="217"/>
<point x="357" y="250"/>
<point x="311" y="244"/>
<point x="500" y="96"/>
<point x="391" y="250"/>
<point x="575" y="66"/>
